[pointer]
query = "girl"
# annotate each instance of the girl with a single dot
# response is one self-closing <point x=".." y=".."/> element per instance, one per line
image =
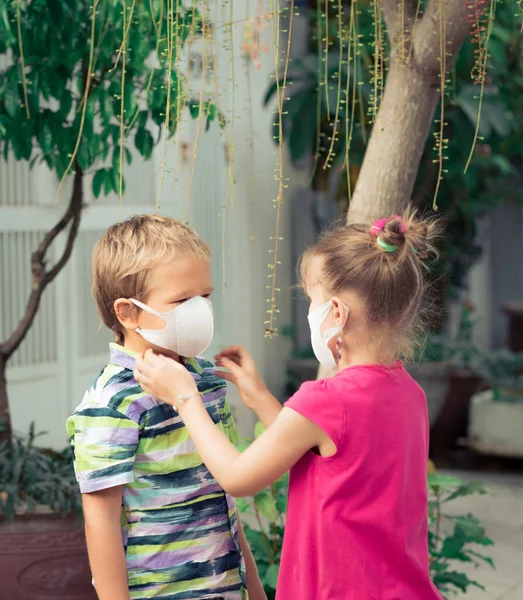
<point x="356" y="444"/>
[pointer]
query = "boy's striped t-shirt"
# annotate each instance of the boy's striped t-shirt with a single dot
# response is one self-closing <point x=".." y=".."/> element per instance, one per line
<point x="180" y="529"/>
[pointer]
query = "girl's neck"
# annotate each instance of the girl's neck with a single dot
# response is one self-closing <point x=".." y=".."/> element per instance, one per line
<point x="365" y="356"/>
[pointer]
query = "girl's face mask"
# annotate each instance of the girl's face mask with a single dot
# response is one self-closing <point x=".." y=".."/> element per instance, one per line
<point x="319" y="340"/>
<point x="189" y="327"/>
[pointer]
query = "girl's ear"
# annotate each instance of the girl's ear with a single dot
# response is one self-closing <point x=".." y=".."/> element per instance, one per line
<point x="340" y="314"/>
<point x="127" y="313"/>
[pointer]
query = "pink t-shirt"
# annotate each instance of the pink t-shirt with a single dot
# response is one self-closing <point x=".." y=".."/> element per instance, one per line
<point x="357" y="521"/>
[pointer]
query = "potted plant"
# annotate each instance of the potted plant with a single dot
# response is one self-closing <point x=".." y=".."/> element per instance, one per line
<point x="496" y="414"/>
<point x="465" y="366"/>
<point x="40" y="509"/>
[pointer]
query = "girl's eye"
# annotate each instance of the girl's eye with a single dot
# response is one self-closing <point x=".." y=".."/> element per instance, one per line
<point x="206" y="296"/>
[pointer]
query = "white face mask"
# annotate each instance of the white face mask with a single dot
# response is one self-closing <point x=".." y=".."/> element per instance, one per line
<point x="319" y="340"/>
<point x="188" y="330"/>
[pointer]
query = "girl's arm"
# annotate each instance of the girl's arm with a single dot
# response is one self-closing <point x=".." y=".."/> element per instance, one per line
<point x="102" y="512"/>
<point x="270" y="456"/>
<point x="240" y="474"/>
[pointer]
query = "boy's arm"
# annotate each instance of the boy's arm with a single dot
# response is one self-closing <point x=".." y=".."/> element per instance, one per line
<point x="102" y="512"/>
<point x="254" y="584"/>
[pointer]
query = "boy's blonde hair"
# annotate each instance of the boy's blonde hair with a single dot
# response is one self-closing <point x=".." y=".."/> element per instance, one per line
<point x="123" y="258"/>
<point x="390" y="283"/>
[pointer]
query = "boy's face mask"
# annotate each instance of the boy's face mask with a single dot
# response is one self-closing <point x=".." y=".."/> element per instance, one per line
<point x="188" y="330"/>
<point x="320" y="340"/>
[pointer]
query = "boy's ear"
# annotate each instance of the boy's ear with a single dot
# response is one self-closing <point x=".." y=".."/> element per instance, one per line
<point x="126" y="312"/>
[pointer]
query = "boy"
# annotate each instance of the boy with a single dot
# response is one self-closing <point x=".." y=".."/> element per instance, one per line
<point x="157" y="523"/>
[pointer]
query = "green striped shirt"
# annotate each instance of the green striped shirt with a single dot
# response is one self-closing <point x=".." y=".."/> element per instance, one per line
<point x="180" y="529"/>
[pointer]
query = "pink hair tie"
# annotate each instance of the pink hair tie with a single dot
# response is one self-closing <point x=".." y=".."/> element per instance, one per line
<point x="377" y="226"/>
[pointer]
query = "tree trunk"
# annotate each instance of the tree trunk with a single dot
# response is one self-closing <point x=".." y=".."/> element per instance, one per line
<point x="5" y="418"/>
<point x="394" y="151"/>
<point x="41" y="278"/>
<point x="390" y="166"/>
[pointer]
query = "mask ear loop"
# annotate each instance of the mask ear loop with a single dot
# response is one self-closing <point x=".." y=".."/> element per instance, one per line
<point x="339" y="340"/>
<point x="146" y="308"/>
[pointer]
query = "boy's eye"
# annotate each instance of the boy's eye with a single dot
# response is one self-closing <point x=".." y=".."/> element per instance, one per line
<point x="185" y="299"/>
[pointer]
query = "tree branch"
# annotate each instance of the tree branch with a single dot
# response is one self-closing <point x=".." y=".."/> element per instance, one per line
<point x="395" y="19"/>
<point x="427" y="33"/>
<point x="41" y="276"/>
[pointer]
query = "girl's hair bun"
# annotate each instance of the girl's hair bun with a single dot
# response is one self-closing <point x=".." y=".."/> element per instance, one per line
<point x="410" y="233"/>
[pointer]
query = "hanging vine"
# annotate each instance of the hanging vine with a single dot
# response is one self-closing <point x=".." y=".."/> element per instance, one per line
<point x="270" y="322"/>
<point x="482" y="22"/>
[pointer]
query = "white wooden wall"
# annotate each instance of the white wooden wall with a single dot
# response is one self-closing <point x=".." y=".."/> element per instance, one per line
<point x="67" y="346"/>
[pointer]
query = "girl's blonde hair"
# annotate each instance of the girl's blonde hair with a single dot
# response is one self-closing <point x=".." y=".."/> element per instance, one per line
<point x="383" y="264"/>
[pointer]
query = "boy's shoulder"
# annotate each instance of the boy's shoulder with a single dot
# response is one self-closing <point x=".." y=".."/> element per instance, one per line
<point x="114" y="392"/>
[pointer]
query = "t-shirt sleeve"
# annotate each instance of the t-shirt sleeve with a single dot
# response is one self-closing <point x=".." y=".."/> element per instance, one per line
<point x="319" y="402"/>
<point x="104" y="445"/>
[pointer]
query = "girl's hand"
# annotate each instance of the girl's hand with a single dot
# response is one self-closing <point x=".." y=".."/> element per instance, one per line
<point x="165" y="378"/>
<point x="242" y="373"/>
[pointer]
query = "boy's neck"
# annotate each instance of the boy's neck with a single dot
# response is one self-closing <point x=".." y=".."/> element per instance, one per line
<point x="135" y="343"/>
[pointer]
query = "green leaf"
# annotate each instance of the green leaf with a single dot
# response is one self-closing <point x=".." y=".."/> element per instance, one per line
<point x="108" y="183"/>
<point x="66" y="102"/>
<point x="144" y="142"/>
<point x="211" y="111"/>
<point x="271" y="576"/>
<point x="56" y="13"/>
<point x="45" y="137"/>
<point x="437" y="481"/>
<point x="194" y="108"/>
<point x="266" y="505"/>
<point x="304" y="125"/>
<point x="259" y="428"/>
<point x="6" y="25"/>
<point x="453" y="545"/>
<point x="258" y="542"/>
<point x="243" y="506"/>
<point x="473" y="487"/>
<point x="458" y="580"/>
<point x="98" y="182"/>
<point x="482" y="557"/>
<point x="3" y="128"/>
<point x="11" y="100"/>
<point x="473" y="530"/>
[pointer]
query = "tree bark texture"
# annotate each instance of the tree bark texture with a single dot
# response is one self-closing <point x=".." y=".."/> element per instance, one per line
<point x="41" y="278"/>
<point x="410" y="97"/>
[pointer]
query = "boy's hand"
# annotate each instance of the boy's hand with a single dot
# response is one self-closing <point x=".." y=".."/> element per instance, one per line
<point x="165" y="378"/>
<point x="243" y="374"/>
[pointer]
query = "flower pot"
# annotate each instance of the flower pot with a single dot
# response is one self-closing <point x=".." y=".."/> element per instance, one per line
<point x="496" y="425"/>
<point x="44" y="557"/>
<point x="433" y="377"/>
<point x="452" y="422"/>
